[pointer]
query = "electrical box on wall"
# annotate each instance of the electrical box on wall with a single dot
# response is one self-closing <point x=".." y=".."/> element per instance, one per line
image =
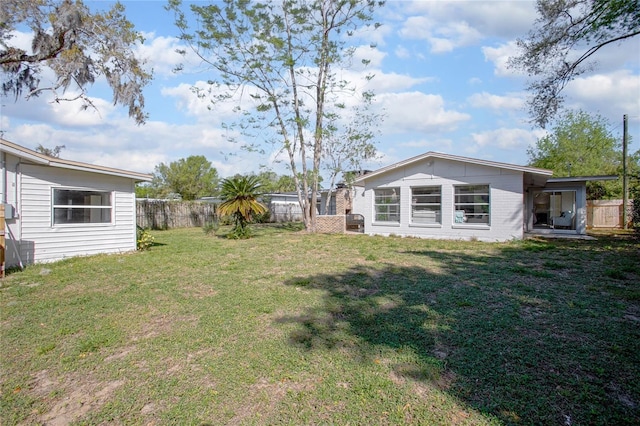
<point x="9" y="212"/>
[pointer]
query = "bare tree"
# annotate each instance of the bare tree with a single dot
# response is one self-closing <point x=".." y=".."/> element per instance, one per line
<point x="278" y="61"/>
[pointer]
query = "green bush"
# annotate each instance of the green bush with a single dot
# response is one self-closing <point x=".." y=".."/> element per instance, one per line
<point x="240" y="233"/>
<point x="211" y="227"/>
<point x="635" y="211"/>
<point x="144" y="239"/>
<point x="225" y="220"/>
<point x="262" y="218"/>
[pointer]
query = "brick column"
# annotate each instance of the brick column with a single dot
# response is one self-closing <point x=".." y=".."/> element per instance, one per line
<point x="343" y="200"/>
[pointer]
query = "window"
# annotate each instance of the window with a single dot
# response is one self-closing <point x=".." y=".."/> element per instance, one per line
<point x="426" y="204"/>
<point x="387" y="205"/>
<point x="320" y="208"/>
<point x="72" y="206"/>
<point x="471" y="204"/>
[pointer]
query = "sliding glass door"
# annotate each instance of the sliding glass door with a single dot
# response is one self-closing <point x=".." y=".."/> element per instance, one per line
<point x="554" y="210"/>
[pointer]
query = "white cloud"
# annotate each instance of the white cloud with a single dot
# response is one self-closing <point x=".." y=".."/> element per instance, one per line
<point x="506" y="138"/>
<point x="500" y="57"/>
<point x="382" y="82"/>
<point x="124" y="145"/>
<point x="161" y="55"/>
<point x="371" y="35"/>
<point x="5" y="122"/>
<point x="496" y="102"/>
<point x="616" y="56"/>
<point x="457" y="34"/>
<point x="446" y="26"/>
<point x="611" y="95"/>
<point x="201" y="107"/>
<point x="143" y="161"/>
<point x="30" y="136"/>
<point x="21" y="40"/>
<point x="417" y="112"/>
<point x="440" y="145"/>
<point x="402" y="52"/>
<point x="73" y="113"/>
<point x="69" y="113"/>
<point x="443" y="38"/>
<point x="417" y="28"/>
<point x="390" y="82"/>
<point x="504" y="19"/>
<point x="187" y="101"/>
<point x="367" y="53"/>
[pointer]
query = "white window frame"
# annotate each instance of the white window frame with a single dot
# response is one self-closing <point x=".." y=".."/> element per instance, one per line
<point x="93" y="208"/>
<point x="388" y="198"/>
<point x="469" y="212"/>
<point x="422" y="217"/>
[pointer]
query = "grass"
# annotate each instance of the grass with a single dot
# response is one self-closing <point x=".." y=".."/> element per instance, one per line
<point x="290" y="328"/>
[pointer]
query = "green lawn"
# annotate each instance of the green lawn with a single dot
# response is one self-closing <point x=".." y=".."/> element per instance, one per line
<point x="290" y="328"/>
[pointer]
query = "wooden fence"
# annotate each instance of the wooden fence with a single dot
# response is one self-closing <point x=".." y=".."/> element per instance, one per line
<point x="607" y="214"/>
<point x="163" y="214"/>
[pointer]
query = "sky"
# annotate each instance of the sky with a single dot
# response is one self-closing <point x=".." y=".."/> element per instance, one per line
<point x="441" y="78"/>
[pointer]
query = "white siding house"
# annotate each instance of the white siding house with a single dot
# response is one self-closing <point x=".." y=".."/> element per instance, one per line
<point x="57" y="208"/>
<point x="444" y="196"/>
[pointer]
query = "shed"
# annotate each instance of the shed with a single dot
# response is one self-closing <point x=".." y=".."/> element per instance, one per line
<point x="57" y="208"/>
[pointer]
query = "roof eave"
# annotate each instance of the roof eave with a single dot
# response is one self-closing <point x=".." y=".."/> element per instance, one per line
<point x="567" y="179"/>
<point x="36" y="157"/>
<point x="432" y="154"/>
<point x="138" y="177"/>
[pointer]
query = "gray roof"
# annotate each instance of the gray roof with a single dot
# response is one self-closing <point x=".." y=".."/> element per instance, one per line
<point x="544" y="173"/>
<point x="568" y="179"/>
<point x="38" y="158"/>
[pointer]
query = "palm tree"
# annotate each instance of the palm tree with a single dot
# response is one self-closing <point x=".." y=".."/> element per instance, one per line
<point x="240" y="201"/>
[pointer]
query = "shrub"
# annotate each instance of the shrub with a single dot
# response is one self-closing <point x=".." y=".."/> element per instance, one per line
<point x="240" y="233"/>
<point x="262" y="217"/>
<point x="225" y="220"/>
<point x="211" y="227"/>
<point x="144" y="239"/>
<point x="635" y="211"/>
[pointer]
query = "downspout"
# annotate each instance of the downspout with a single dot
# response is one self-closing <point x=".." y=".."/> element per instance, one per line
<point x="17" y="214"/>
<point x="16" y="173"/>
<point x="3" y="186"/>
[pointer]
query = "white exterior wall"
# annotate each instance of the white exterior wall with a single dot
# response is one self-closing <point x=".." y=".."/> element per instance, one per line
<point x="10" y="196"/>
<point x="506" y="200"/>
<point x="358" y="200"/>
<point x="41" y="241"/>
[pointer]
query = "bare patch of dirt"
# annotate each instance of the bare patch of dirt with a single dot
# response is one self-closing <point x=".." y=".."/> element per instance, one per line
<point x="446" y="380"/>
<point x="199" y="292"/>
<point x="428" y="390"/>
<point x="263" y="397"/>
<point x="149" y="409"/>
<point x="123" y="353"/>
<point x="74" y="398"/>
<point x="440" y="351"/>
<point x="160" y="324"/>
<point x="42" y="384"/>
<point x="80" y="401"/>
